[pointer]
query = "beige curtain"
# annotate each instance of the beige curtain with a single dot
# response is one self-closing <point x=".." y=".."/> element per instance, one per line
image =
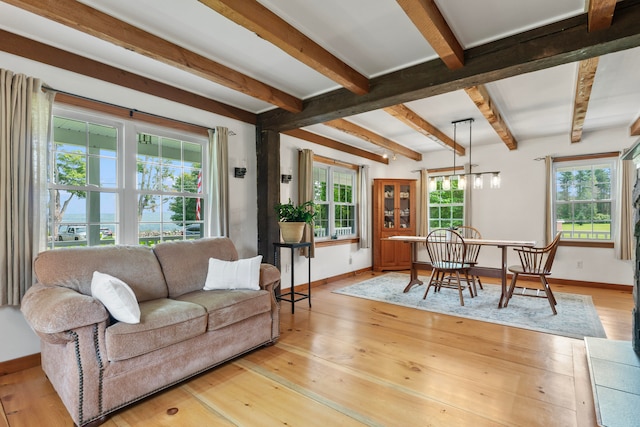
<point x="305" y="193"/>
<point x="218" y="182"/>
<point x="548" y="205"/>
<point x="423" y="200"/>
<point x="623" y="236"/>
<point x="364" y="226"/>
<point x="19" y="188"/>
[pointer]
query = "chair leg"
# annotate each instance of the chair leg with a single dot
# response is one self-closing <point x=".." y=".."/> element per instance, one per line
<point x="550" y="297"/>
<point x="433" y="273"/>
<point x="479" y="282"/>
<point x="512" y="286"/>
<point x="473" y="292"/>
<point x="460" y="289"/>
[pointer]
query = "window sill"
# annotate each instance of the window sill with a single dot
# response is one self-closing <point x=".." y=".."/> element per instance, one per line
<point x="586" y="244"/>
<point x="334" y="242"/>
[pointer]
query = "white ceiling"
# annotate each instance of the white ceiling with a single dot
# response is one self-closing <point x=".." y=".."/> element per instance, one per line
<point x="374" y="37"/>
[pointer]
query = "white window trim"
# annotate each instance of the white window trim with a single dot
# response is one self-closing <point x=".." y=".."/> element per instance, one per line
<point x="127" y="232"/>
<point x="331" y="204"/>
<point x="614" y="188"/>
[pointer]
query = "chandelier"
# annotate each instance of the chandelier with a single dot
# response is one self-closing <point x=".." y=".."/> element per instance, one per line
<point x="477" y="178"/>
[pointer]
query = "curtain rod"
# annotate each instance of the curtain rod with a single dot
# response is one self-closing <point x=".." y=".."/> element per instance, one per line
<point x="131" y="110"/>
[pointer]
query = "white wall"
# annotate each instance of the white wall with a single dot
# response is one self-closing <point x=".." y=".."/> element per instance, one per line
<point x="17" y="338"/>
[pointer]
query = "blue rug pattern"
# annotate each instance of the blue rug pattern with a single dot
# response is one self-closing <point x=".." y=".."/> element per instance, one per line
<point x="577" y="316"/>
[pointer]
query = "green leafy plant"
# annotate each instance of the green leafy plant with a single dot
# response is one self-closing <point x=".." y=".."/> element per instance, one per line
<point x="288" y="212"/>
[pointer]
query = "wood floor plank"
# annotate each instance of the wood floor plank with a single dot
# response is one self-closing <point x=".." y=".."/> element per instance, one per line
<point x="353" y="362"/>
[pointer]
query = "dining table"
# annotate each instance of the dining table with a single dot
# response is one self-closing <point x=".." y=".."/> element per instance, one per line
<point x="502" y="244"/>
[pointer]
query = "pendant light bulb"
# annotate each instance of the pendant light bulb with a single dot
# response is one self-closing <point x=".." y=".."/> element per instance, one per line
<point x="495" y="180"/>
<point x="446" y="183"/>
<point x="477" y="181"/>
<point x="462" y="182"/>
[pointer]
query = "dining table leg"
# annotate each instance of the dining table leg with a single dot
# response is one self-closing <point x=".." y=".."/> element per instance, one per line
<point x="413" y="279"/>
<point x="503" y="276"/>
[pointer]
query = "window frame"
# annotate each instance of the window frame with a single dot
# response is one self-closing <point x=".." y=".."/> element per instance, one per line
<point x="332" y="166"/>
<point x="126" y="219"/>
<point x="581" y="161"/>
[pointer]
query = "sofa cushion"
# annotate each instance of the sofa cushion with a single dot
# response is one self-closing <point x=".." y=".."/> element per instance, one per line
<point x="240" y="274"/>
<point x="116" y="296"/>
<point x="73" y="268"/>
<point x="162" y="322"/>
<point x="185" y="263"/>
<point x="226" y="307"/>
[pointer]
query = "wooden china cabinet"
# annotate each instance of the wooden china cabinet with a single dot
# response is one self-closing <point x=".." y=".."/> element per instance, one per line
<point x="394" y="214"/>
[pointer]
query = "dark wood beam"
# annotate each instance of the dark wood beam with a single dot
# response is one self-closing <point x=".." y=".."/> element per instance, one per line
<point x="374" y="138"/>
<point x="600" y="14"/>
<point x="336" y="145"/>
<point x="554" y="44"/>
<point x="428" y="19"/>
<point x="40" y="52"/>
<point x="414" y="121"/>
<point x="83" y="18"/>
<point x="269" y="26"/>
<point x="480" y="96"/>
<point x="586" y="75"/>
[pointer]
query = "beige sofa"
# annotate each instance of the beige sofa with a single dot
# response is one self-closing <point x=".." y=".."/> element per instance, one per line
<point x="98" y="365"/>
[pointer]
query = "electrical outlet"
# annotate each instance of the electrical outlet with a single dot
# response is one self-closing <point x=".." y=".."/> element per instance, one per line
<point x="350" y="259"/>
<point x="579" y="265"/>
<point x="286" y="268"/>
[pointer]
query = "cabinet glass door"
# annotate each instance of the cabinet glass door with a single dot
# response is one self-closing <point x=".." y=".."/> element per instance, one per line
<point x="405" y="206"/>
<point x="389" y="206"/>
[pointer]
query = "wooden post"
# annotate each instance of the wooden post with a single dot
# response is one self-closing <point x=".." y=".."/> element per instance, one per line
<point x="268" y="175"/>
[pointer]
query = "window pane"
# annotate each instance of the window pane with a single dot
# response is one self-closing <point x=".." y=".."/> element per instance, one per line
<point x="446" y="207"/>
<point x="319" y="184"/>
<point x="321" y="222"/>
<point x="583" y="202"/>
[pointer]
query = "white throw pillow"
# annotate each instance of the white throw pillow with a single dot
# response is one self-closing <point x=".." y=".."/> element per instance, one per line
<point x="241" y="274"/>
<point x="116" y="296"/>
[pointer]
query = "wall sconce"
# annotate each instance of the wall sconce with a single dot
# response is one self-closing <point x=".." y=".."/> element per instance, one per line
<point x="239" y="172"/>
<point x="285" y="179"/>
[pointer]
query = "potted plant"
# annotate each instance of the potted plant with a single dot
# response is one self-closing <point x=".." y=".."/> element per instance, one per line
<point x="292" y="219"/>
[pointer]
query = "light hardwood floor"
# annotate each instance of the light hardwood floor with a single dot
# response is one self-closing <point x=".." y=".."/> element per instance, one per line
<point x="353" y="362"/>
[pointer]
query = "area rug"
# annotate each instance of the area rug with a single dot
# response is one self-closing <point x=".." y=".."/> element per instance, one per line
<point x="577" y="316"/>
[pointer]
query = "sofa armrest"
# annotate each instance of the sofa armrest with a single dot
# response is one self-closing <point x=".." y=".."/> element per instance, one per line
<point x="50" y="310"/>
<point x="269" y="276"/>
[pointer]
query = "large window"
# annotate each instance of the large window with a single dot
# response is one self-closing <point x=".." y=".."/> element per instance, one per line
<point x="335" y="198"/>
<point x="106" y="189"/>
<point x="583" y="198"/>
<point x="446" y="205"/>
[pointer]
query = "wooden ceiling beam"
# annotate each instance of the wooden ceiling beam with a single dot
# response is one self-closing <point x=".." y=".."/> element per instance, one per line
<point x="634" y="129"/>
<point x="584" y="84"/>
<point x="40" y="52"/>
<point x="98" y="24"/>
<point x="336" y="145"/>
<point x="548" y="46"/>
<point x="428" y="19"/>
<point x="374" y="138"/>
<point x="269" y="26"/>
<point x="600" y="14"/>
<point x="414" y="121"/>
<point x="480" y="96"/>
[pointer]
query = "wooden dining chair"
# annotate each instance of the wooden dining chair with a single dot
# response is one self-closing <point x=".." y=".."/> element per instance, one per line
<point x="447" y="252"/>
<point x="473" y="250"/>
<point x="535" y="262"/>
